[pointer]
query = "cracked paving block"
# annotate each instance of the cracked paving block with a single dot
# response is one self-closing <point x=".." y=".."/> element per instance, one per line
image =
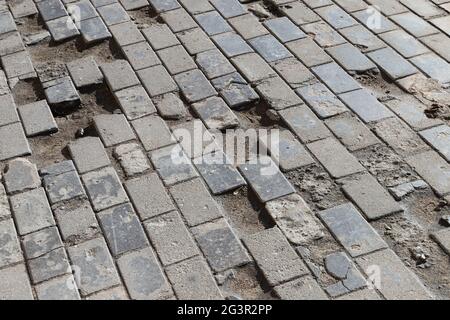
<point x="156" y="80"/>
<point x="104" y="188"/>
<point x="294" y="73"/>
<point x="336" y="78"/>
<point x="214" y="64"/>
<point x="195" y="41"/>
<point x="215" y="113"/>
<point x="93" y="30"/>
<point x="85" y="72"/>
<point x="351" y="59"/>
<point x="31" y="211"/>
<point x="439" y="139"/>
<point x="219" y="173"/>
<point x="41" y="242"/>
<point x="95" y="266"/>
<point x="113" y="129"/>
<point x="178" y="20"/>
<point x="397" y="281"/>
<point x="131" y="158"/>
<point x="82" y="9"/>
<point x="15" y="284"/>
<point x="295" y="219"/>
<point x="164" y="5"/>
<point x="153" y="132"/>
<point x="159" y="36"/>
<point x="277" y="93"/>
<point x="140" y="55"/>
<point x="62" y="95"/>
<point x="119" y="75"/>
<point x="49" y="265"/>
<point x="253" y="67"/>
<point x="308" y="52"/>
<point x="391" y="63"/>
<point x="51" y="9"/>
<point x="113" y="14"/>
<point x="63" y="187"/>
<point x="235" y="90"/>
<point x="433" y="66"/>
<point x="5" y="211"/>
<point x="13" y="142"/>
<point x="170" y="106"/>
<point x="63" y="288"/>
<point x="122" y="229"/>
<point x="442" y="237"/>
<point x="10" y="251"/>
<point x="270" y="48"/>
<point x="126" y="33"/>
<point x="148" y="195"/>
<point x="134" y="102"/>
<point x="172" y="164"/>
<point x="212" y="23"/>
<point x="274" y="256"/>
<point x="231" y="44"/>
<point x="10" y="43"/>
<point x="20" y="174"/>
<point x="194" y="85"/>
<point x="265" y="179"/>
<point x="7" y="23"/>
<point x="88" y="154"/>
<point x="195" y="203"/>
<point x="352" y="231"/>
<point x="8" y="110"/>
<point x="404" y="43"/>
<point x="18" y="65"/>
<point x="62" y="28"/>
<point x="143" y="276"/>
<point x="324" y="103"/>
<point x="383" y="23"/>
<point x="304" y="123"/>
<point x="170" y="238"/>
<point x="284" y="29"/>
<point x="324" y="34"/>
<point x="37" y="118"/>
<point x="248" y="26"/>
<point x="305" y="288"/>
<point x="362" y="38"/>
<point x="176" y="59"/>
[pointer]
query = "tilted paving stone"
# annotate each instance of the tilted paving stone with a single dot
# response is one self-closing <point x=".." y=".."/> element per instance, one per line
<point x="351" y="59"/>
<point x="194" y="85"/>
<point x="324" y="103"/>
<point x="294" y="72"/>
<point x="18" y="65"/>
<point x="278" y="94"/>
<point x="93" y="30"/>
<point x="295" y="219"/>
<point x="7" y="23"/>
<point x="352" y="231"/>
<point x="253" y="67"/>
<point x="51" y="9"/>
<point x="156" y="80"/>
<point x="10" y="43"/>
<point x="323" y="34"/>
<point x="122" y="229"/>
<point x="10" y="251"/>
<point x="113" y="129"/>
<point x="132" y="159"/>
<point x="308" y="52"/>
<point x="274" y="256"/>
<point x="178" y="20"/>
<point x="13" y="142"/>
<point x="143" y="276"/>
<point x="439" y="139"/>
<point x="153" y="132"/>
<point x="104" y="188"/>
<point x="362" y="38"/>
<point x="57" y="168"/>
<point x="88" y="154"/>
<point x="212" y="23"/>
<point x="37" y="118"/>
<point x="336" y="78"/>
<point x="176" y="59"/>
<point x="284" y="29"/>
<point x="215" y="113"/>
<point x="62" y="95"/>
<point x="383" y="24"/>
<point x="191" y="280"/>
<point x="170" y="106"/>
<point x="49" y="265"/>
<point x="113" y="14"/>
<point x="41" y="242"/>
<point x="8" y="110"/>
<point x="394" y="65"/>
<point x="433" y="169"/>
<point x="235" y="90"/>
<point x="433" y="66"/>
<point x="195" y="203"/>
<point x="22" y="8"/>
<point x="304" y="123"/>
<point x="62" y="28"/>
<point x="374" y="201"/>
<point x="95" y="265"/>
<point x="195" y="41"/>
<point x="415" y="25"/>
<point x="119" y="75"/>
<point x="140" y="55"/>
<point x="397" y="281"/>
<point x="160" y="36"/>
<point x="248" y="26"/>
<point x="126" y="33"/>
<point x="299" y="13"/>
<point x="442" y="237"/>
<point x="84" y="9"/>
<point x="231" y="44"/>
<point x="162" y="231"/>
<point x="15" y="283"/>
<point x="214" y="64"/>
<point x="63" y="288"/>
<point x="269" y="48"/>
<point x="20" y="175"/>
<point x="305" y="288"/>
<point x="85" y="72"/>
<point x="404" y="43"/>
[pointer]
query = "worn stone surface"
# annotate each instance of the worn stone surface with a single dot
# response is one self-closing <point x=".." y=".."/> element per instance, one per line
<point x="305" y="288"/>
<point x="63" y="288"/>
<point x="15" y="284"/>
<point x="10" y="251"/>
<point x="63" y="187"/>
<point x="88" y="154"/>
<point x="50" y="265"/>
<point x="20" y="174"/>
<point x="131" y="158"/>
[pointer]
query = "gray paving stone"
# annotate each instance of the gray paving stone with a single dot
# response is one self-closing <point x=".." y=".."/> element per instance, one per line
<point x="13" y="142"/>
<point x="284" y="29"/>
<point x="424" y="9"/>
<point x="394" y="65"/>
<point x="397" y="281"/>
<point x="10" y="251"/>
<point x="362" y="295"/>
<point x="4" y="87"/>
<point x="351" y="59"/>
<point x="248" y="26"/>
<point x="22" y="8"/>
<point x="15" y="284"/>
<point x="197" y="6"/>
<point x="172" y="164"/>
<point x="253" y="67"/>
<point x="37" y="118"/>
<point x="442" y="237"/>
<point x="156" y="80"/>
<point x="113" y="129"/>
<point x="164" y="5"/>
<point x="195" y="139"/>
<point x="305" y="288"/>
<point x="229" y="8"/>
<point x="195" y="41"/>
<point x="304" y="123"/>
<point x="8" y="111"/>
<point x="85" y="72"/>
<point x="295" y="219"/>
<point x="126" y="33"/>
<point x="235" y="90"/>
<point x="439" y="43"/>
<point x="95" y="266"/>
<point x="335" y="158"/>
<point x="49" y="265"/>
<point x="20" y="174"/>
<point x="214" y="64"/>
<point x="324" y="103"/>
<point x="5" y="211"/>
<point x="215" y="113"/>
<point x="294" y="72"/>
<point x="63" y="187"/>
<point x="119" y="75"/>
<point x="439" y="139"/>
<point x="351" y="230"/>
<point x="194" y="85"/>
<point x="62" y="28"/>
<point x="178" y="20"/>
<point x="82" y="9"/>
<point x="116" y="293"/>
<point x="362" y="38"/>
<point x="433" y="169"/>
<point x="159" y="36"/>
<point x="171" y="238"/>
<point x="31" y="211"/>
<point x="57" y="168"/>
<point x="299" y="13"/>
<point x="62" y="95"/>
<point x="212" y="23"/>
<point x="7" y="23"/>
<point x="196" y="204"/>
<point x="93" y="30"/>
<point x="176" y="59"/>
<point x="231" y="44"/>
<point x="100" y="3"/>
<point x="88" y="154"/>
<point x="336" y="17"/>
<point x="170" y="106"/>
<point x="381" y="25"/>
<point x="140" y="55"/>
<point x="433" y="66"/>
<point x="415" y="25"/>
<point x="278" y="94"/>
<point x="324" y="34"/>
<point x="265" y="179"/>
<point x="274" y="256"/>
<point x="153" y="132"/>
<point x="41" y="242"/>
<point x="135" y="102"/>
<point x="270" y="48"/>
<point x="336" y="78"/>
<point x="404" y="43"/>
<point x="191" y="280"/>
<point x="351" y="132"/>
<point x="51" y="9"/>
<point x="63" y="288"/>
<point x="104" y="188"/>
<point x="366" y="105"/>
<point x="113" y="14"/>
<point x="10" y="43"/>
<point x="18" y="65"/>
<point x="132" y="159"/>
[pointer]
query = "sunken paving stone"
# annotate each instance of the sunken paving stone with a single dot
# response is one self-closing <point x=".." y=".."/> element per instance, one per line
<point x="194" y="85"/>
<point x="156" y="80"/>
<point x="63" y="288"/>
<point x="132" y="159"/>
<point x="88" y="154"/>
<point x="159" y="36"/>
<point x="170" y="106"/>
<point x="143" y="276"/>
<point x="373" y="200"/>
<point x="13" y="142"/>
<point x="113" y="129"/>
<point x="270" y="48"/>
<point x="85" y="72"/>
<point x="195" y="203"/>
<point x="62" y="95"/>
<point x="104" y="188"/>
<point x="31" y="211"/>
<point x="324" y="103"/>
<point x="37" y="118"/>
<point x="278" y="94"/>
<point x="231" y="44"/>
<point x="442" y="237"/>
<point x="122" y="229"/>
<point x="176" y="59"/>
<point x="391" y="63"/>
<point x="93" y="30"/>
<point x="305" y="288"/>
<point x="15" y="283"/>
<point x="20" y="174"/>
<point x="140" y="55"/>
<point x="171" y="239"/>
<point x="8" y="110"/>
<point x="284" y="29"/>
<point x="235" y="90"/>
<point x="49" y="265"/>
<point x="274" y="256"/>
<point x="397" y="282"/>
<point x="192" y="280"/>
<point x="119" y="75"/>
<point x="336" y="78"/>
<point x="294" y="73"/>
<point x="265" y="179"/>
<point x="41" y="242"/>
<point x="153" y="132"/>
<point x="352" y="231"/>
<point x="212" y="23"/>
<point x="439" y="139"/>
<point x="63" y="187"/>
<point x="10" y="251"/>
<point x="215" y="113"/>
<point x="84" y="9"/>
<point x="96" y="267"/>
<point x="135" y="102"/>
<point x="222" y="249"/>
<point x="214" y="64"/>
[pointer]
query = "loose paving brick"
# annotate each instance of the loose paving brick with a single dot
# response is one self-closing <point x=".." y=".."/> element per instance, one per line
<point x="37" y="118"/>
<point x="62" y="28"/>
<point x="10" y="251"/>
<point x="20" y="175"/>
<point x="84" y="9"/>
<point x="159" y="36"/>
<point x="88" y="154"/>
<point x="308" y="52"/>
<point x="11" y="43"/>
<point x="253" y="67"/>
<point x="235" y="90"/>
<point x="361" y="37"/>
<point x="113" y="129"/>
<point x="126" y="33"/>
<point x="126" y="79"/>
<point x="278" y="94"/>
<point x="305" y="288"/>
<point x="439" y="138"/>
<point x="57" y="168"/>
<point x="270" y="48"/>
<point x="194" y="85"/>
<point x="18" y="65"/>
<point x="176" y="59"/>
<point x="442" y="237"/>
<point x="324" y="103"/>
<point x="51" y="9"/>
<point x="170" y="106"/>
<point x="153" y="132"/>
<point x="62" y="95"/>
<point x="63" y="288"/>
<point x="394" y="65"/>
<point x="93" y="30"/>
<point x="15" y="284"/>
<point x="336" y="78"/>
<point x="132" y="159"/>
<point x="215" y="113"/>
<point x="156" y="80"/>
<point x="351" y="59"/>
<point x="85" y="72"/>
<point x="7" y="23"/>
<point x="214" y="64"/>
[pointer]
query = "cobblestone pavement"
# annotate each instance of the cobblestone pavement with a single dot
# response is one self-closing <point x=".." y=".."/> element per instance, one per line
<point x="94" y="95"/>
